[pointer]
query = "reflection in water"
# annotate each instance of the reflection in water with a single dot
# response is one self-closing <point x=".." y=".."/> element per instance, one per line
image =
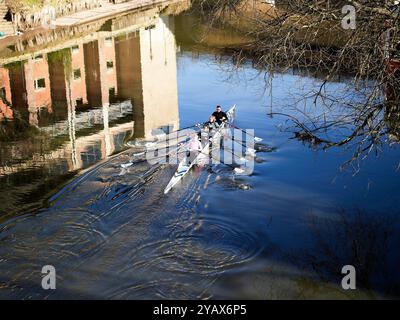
<point x="111" y="235"/>
<point x="360" y="239"/>
<point x="86" y="99"/>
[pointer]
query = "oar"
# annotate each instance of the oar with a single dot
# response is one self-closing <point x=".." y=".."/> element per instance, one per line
<point x="256" y="139"/>
<point x="129" y="164"/>
<point x="195" y="125"/>
<point x="153" y="143"/>
<point x="236" y="169"/>
<point x="152" y="146"/>
<point x="242" y="160"/>
<point x="249" y="151"/>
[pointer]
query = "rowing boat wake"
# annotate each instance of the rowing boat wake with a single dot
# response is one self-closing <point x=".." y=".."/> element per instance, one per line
<point x="112" y="233"/>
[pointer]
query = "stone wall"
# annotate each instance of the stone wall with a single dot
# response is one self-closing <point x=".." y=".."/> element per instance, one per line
<point x="28" y="18"/>
<point x="6" y="27"/>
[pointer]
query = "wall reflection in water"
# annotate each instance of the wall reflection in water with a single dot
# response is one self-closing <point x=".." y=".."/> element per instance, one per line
<point x="79" y="102"/>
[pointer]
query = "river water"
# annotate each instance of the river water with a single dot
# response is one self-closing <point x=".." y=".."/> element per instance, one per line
<point x="70" y="114"/>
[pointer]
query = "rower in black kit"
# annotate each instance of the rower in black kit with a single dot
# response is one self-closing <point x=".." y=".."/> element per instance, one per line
<point x="219" y="115"/>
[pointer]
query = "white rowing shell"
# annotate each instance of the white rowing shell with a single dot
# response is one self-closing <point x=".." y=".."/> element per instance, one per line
<point x="184" y="168"/>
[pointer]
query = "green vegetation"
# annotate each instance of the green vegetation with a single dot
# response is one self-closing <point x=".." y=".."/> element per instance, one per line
<point x="16" y="129"/>
<point x="32" y="3"/>
<point x="62" y="57"/>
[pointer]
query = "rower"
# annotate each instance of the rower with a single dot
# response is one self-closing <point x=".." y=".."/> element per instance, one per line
<point x="209" y="129"/>
<point x="219" y="115"/>
<point x="211" y="124"/>
<point x="193" y="148"/>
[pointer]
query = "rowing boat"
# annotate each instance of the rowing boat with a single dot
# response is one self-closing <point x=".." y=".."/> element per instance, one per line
<point x="184" y="167"/>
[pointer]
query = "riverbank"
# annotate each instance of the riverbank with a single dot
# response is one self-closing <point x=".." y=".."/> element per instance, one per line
<point x="49" y="16"/>
<point x="106" y="10"/>
<point x="81" y="23"/>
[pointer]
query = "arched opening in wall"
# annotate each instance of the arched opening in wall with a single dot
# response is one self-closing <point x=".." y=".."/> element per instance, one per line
<point x="8" y="16"/>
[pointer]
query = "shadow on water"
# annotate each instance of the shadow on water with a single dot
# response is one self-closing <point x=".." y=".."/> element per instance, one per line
<point x="358" y="238"/>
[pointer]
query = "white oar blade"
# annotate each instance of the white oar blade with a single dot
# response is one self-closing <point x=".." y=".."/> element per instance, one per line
<point x="251" y="152"/>
<point x="126" y="165"/>
<point x="257" y="139"/>
<point x="238" y="170"/>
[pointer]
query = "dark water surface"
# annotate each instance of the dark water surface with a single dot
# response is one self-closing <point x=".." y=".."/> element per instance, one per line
<point x="283" y="232"/>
